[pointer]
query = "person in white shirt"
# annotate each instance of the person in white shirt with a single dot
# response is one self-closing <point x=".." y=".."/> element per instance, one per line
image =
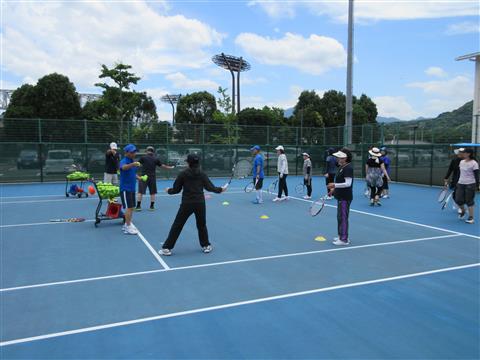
<point x="467" y="184"/>
<point x="282" y="169"/>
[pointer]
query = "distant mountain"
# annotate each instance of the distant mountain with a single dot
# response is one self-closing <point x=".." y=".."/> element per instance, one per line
<point x="387" y="120"/>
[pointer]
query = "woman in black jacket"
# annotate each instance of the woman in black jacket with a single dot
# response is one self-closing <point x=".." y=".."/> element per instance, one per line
<point x="192" y="180"/>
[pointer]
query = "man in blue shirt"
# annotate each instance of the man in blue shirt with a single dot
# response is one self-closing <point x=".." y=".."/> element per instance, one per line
<point x="386" y="160"/>
<point x="258" y="174"/>
<point x="128" y="183"/>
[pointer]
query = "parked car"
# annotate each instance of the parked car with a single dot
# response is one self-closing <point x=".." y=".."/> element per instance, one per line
<point x="28" y="159"/>
<point x="59" y="161"/>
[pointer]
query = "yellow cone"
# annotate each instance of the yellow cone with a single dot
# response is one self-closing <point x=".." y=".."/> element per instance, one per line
<point x="264" y="217"/>
<point x="320" y="238"/>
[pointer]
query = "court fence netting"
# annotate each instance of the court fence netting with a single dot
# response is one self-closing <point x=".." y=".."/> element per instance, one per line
<point x="41" y="150"/>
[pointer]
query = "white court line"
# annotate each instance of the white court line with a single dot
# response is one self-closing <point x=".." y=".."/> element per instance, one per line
<point x="29" y="196"/>
<point x="234" y="304"/>
<point x="395" y="219"/>
<point x="43" y="223"/>
<point x="95" y="198"/>
<point x="347" y="248"/>
<point x="152" y="250"/>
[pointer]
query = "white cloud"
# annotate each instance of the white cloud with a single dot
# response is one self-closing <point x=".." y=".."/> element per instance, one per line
<point x="313" y="55"/>
<point x="466" y="27"/>
<point x="247" y="80"/>
<point x="75" y="38"/>
<point x="457" y="87"/>
<point x="368" y="10"/>
<point x="395" y="106"/>
<point x="181" y="81"/>
<point x="436" y="72"/>
<point x="289" y="100"/>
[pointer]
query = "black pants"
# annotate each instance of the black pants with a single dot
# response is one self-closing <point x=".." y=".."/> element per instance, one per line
<point x="308" y="184"/>
<point x="282" y="185"/>
<point x="465" y="194"/>
<point x="182" y="216"/>
<point x="343" y="210"/>
<point x="375" y="191"/>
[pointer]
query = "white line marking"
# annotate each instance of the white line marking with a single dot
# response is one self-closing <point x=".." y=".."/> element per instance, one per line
<point x="89" y="198"/>
<point x="395" y="219"/>
<point x="232" y="305"/>
<point x="152" y="250"/>
<point x="225" y="263"/>
<point x="43" y="223"/>
<point x="30" y="196"/>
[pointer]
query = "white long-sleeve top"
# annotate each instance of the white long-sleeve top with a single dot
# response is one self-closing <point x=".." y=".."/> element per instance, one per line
<point x="282" y="164"/>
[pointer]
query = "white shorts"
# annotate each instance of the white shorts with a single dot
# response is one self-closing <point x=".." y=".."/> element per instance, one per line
<point x="110" y="178"/>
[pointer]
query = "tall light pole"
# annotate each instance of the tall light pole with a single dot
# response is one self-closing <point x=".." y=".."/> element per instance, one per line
<point x="347" y="138"/>
<point x="476" y="95"/>
<point x="172" y="100"/>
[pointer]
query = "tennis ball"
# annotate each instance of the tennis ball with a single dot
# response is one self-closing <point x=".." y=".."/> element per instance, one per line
<point x="144" y="178"/>
<point x="225" y="203"/>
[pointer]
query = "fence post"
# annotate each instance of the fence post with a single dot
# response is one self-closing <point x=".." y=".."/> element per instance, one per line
<point x="382" y="135"/>
<point x="296" y="136"/>
<point x="166" y="136"/>
<point x="39" y="130"/>
<point x="431" y="165"/>
<point x="40" y="160"/>
<point x="268" y="135"/>
<point x="85" y="129"/>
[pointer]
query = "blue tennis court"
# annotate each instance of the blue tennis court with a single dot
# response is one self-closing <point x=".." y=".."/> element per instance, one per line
<point x="406" y="287"/>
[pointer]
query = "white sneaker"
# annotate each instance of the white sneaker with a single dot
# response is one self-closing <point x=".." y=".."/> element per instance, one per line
<point x="207" y="249"/>
<point x="339" y="242"/>
<point x="165" y="252"/>
<point x="130" y="230"/>
<point x="306" y="197"/>
<point x="276" y="199"/>
<point x="459" y="211"/>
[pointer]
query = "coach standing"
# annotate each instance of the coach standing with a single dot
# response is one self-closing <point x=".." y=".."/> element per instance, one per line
<point x="112" y="165"/>
<point x="149" y="165"/>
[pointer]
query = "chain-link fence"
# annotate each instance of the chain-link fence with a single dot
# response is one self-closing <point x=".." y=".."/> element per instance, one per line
<point x="45" y="150"/>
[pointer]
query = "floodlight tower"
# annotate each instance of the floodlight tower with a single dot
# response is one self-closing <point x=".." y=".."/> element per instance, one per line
<point x="476" y="96"/>
<point x="233" y="64"/>
<point x="172" y="99"/>
<point x="347" y="138"/>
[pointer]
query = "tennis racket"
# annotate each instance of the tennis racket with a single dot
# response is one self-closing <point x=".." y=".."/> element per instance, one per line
<point x="272" y="188"/>
<point x="241" y="169"/>
<point x="68" y="220"/>
<point x="317" y="206"/>
<point x="447" y="201"/>
<point x="443" y="195"/>
<point x="300" y="189"/>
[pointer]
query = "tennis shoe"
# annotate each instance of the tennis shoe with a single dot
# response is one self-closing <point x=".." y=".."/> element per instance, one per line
<point x="459" y="211"/>
<point x="378" y="203"/>
<point x="341" y="243"/>
<point x="276" y="199"/>
<point x="470" y="220"/>
<point x="165" y="252"/>
<point x="207" y="249"/>
<point x="461" y="214"/>
<point x="151" y="208"/>
<point x="138" y="209"/>
<point x="256" y="202"/>
<point x="131" y="230"/>
<point x="306" y="197"/>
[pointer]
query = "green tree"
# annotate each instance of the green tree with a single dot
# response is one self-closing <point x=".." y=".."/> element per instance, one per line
<point x="369" y="107"/>
<point x="22" y="103"/>
<point x="332" y="108"/>
<point x="196" y="108"/>
<point x="307" y="99"/>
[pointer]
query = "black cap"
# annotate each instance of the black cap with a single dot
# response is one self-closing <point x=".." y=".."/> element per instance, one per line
<point x="193" y="159"/>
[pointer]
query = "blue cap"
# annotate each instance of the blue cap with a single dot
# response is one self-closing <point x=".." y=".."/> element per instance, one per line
<point x="256" y="147"/>
<point x="130" y="148"/>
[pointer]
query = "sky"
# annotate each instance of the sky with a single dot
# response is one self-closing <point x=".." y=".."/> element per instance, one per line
<point x="404" y="51"/>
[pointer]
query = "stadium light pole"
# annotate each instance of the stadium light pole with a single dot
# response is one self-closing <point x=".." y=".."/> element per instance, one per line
<point x="233" y="64"/>
<point x="347" y="138"/>
<point x="476" y="95"/>
<point x="172" y="100"/>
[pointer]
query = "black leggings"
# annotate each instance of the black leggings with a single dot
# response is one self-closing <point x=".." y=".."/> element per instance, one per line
<point x="308" y="184"/>
<point x="375" y="191"/>
<point x="282" y="185"/>
<point x="182" y="216"/>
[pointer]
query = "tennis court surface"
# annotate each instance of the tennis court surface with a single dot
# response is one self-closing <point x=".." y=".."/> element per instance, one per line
<point x="406" y="287"/>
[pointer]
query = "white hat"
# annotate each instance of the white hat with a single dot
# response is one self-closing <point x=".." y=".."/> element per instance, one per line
<point x="375" y="152"/>
<point x="279" y="147"/>
<point x="340" y="155"/>
<point x="457" y="151"/>
<point x="306" y="154"/>
<point x="113" y="146"/>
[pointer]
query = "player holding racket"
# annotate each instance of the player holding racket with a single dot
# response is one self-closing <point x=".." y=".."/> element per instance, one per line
<point x="342" y="191"/>
<point x="258" y="174"/>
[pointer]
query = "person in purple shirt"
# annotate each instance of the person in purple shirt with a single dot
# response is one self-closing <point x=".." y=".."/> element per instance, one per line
<point x="386" y="161"/>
